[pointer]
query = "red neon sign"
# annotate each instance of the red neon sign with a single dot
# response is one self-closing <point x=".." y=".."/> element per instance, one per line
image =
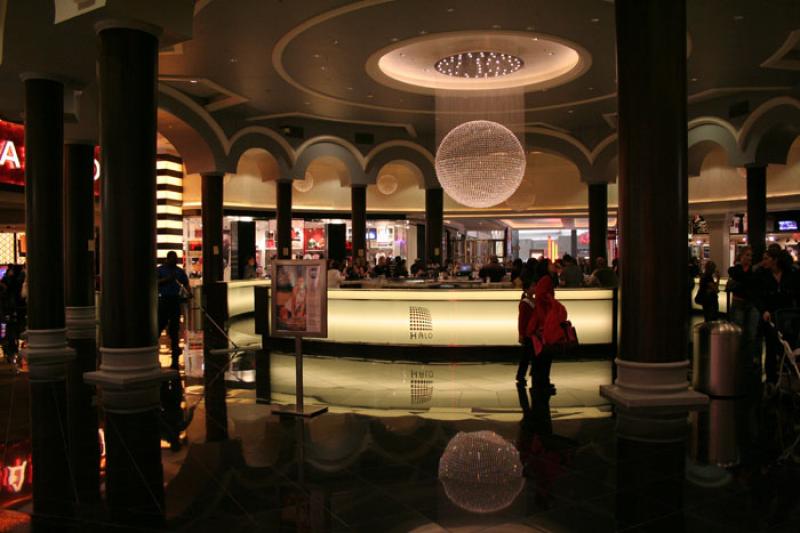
<point x="12" y="155"/>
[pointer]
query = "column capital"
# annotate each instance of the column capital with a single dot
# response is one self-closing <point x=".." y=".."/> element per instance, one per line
<point x="128" y="24"/>
<point x="49" y="76"/>
<point x="358" y="185"/>
<point x="79" y="141"/>
<point x="213" y="174"/>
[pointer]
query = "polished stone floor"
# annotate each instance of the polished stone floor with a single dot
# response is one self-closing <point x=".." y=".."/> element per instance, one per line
<point x="373" y="463"/>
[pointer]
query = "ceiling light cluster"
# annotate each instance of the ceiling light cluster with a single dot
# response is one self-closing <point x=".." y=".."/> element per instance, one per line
<point x="480" y="64"/>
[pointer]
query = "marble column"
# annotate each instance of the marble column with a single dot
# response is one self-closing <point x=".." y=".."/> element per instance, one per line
<point x="653" y="204"/>
<point x="598" y="221"/>
<point x="130" y="375"/>
<point x="434" y="223"/>
<point x="757" y="209"/>
<point x="720" y="240"/>
<point x="358" y="195"/>
<point x="47" y="351"/>
<point x="215" y="304"/>
<point x="81" y="316"/>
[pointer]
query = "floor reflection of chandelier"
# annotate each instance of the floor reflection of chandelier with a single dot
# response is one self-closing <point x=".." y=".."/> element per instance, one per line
<point x="481" y="471"/>
<point x="480" y="163"/>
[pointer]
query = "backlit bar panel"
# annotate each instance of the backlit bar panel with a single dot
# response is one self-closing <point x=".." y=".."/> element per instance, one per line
<point x="169" y="197"/>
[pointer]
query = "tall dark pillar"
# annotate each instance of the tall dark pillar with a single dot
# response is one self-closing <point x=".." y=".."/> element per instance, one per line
<point x="651" y="72"/>
<point x="757" y="209"/>
<point x="47" y="351"/>
<point x="212" y="198"/>
<point x="130" y="375"/>
<point x="283" y="208"/>
<point x="81" y="316"/>
<point x="434" y="222"/>
<point x="358" y="195"/>
<point x="598" y="221"/>
<point x="215" y="303"/>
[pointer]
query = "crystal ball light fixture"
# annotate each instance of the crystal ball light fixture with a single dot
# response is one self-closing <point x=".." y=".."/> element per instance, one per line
<point x="480" y="64"/>
<point x="480" y="163"/>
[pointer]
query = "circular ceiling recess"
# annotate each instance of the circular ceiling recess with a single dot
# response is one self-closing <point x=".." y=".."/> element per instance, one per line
<point x="478" y="61"/>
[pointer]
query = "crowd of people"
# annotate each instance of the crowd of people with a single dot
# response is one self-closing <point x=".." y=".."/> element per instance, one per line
<point x="758" y="289"/>
<point x="568" y="272"/>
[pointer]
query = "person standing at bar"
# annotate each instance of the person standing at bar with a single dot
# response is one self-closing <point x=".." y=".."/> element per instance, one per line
<point x="173" y="290"/>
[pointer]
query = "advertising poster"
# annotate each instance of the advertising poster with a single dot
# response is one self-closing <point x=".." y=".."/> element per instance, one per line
<point x="299" y="298"/>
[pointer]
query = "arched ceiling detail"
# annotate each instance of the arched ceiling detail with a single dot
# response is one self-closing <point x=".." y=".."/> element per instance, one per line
<point x="330" y="147"/>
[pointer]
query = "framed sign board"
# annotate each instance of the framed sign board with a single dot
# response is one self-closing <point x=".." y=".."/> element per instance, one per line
<point x="299" y="298"/>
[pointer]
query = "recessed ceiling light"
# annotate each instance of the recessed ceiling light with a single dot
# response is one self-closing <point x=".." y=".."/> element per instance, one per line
<point x="422" y="32"/>
<point x="308" y="103"/>
<point x="529" y="28"/>
<point x="737" y="18"/>
<point x="316" y="56"/>
<point x="323" y="67"/>
<point x="336" y="42"/>
<point x="370" y="95"/>
<point x="550" y="52"/>
<point x="450" y="9"/>
<point x="535" y="38"/>
<point x="496" y="26"/>
<point x="192" y="81"/>
<point x="595" y="20"/>
<point x="394" y="39"/>
<point x="591" y="88"/>
<point x="233" y="60"/>
<point x="570" y="111"/>
<point x="349" y="88"/>
<point x="694" y="79"/>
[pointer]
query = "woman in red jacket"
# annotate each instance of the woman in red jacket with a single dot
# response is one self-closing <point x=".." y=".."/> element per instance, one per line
<point x="545" y="331"/>
<point x="526" y="306"/>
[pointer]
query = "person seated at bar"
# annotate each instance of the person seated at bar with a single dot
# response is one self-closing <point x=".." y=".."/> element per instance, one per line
<point x="493" y="272"/>
<point x="602" y="275"/>
<point x="173" y="290"/>
<point x="335" y="277"/>
<point x="516" y="273"/>
<point x="250" y="270"/>
<point x="380" y="268"/>
<point x="416" y="267"/>
<point x="571" y="275"/>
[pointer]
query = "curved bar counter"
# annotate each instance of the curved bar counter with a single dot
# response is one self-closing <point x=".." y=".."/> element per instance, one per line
<point x="418" y="320"/>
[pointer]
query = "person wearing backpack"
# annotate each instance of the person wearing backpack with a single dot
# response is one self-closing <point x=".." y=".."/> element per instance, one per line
<point x="546" y="331"/>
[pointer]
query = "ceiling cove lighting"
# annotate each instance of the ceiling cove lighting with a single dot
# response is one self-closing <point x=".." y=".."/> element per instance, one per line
<point x="480" y="64"/>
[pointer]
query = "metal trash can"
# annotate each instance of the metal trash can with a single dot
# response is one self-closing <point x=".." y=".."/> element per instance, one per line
<point x="719" y="367"/>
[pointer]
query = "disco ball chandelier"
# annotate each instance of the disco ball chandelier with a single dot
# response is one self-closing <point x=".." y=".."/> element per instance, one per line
<point x="480" y="163"/>
<point x="480" y="64"/>
<point x="481" y="471"/>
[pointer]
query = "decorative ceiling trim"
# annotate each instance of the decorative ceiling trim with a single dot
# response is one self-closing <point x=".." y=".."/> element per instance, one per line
<point x="335" y="140"/>
<point x="778" y="60"/>
<point x="699" y="121"/>
<point x="753" y="117"/>
<point x="267" y="132"/>
<point x="564" y="137"/>
<point x="710" y="94"/>
<point x="288" y="37"/>
<point x="598" y="149"/>
<point x="228" y="98"/>
<point x="405" y="144"/>
<point x="200" y="111"/>
<point x="412" y="132"/>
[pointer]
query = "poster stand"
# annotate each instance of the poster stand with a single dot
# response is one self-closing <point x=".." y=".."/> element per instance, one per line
<point x="299" y="316"/>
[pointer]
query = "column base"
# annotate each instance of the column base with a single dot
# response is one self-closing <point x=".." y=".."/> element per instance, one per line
<point x="48" y="354"/>
<point x="81" y="322"/>
<point x="640" y="385"/>
<point x="130" y="379"/>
